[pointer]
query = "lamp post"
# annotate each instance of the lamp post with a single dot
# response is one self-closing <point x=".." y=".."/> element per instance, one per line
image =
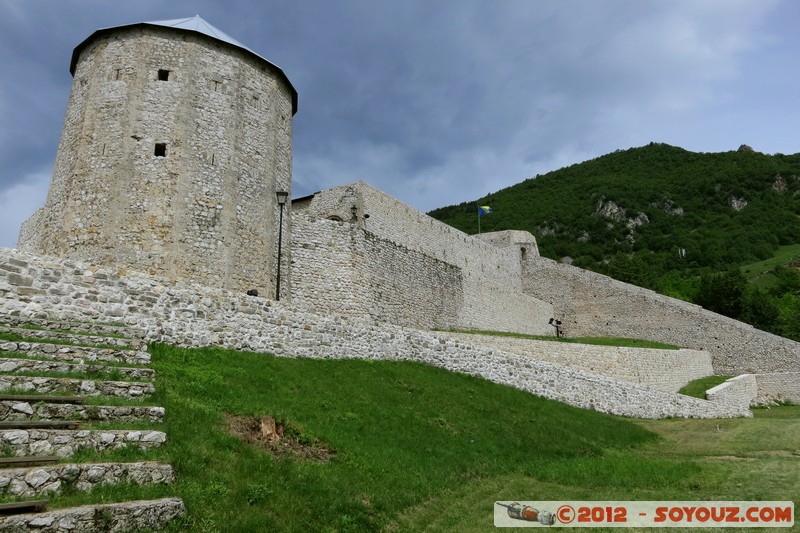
<point x="556" y="324"/>
<point x="282" y="195"/>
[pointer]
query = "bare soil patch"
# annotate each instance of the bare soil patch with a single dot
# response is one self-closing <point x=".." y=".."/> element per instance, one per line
<point x="275" y="438"/>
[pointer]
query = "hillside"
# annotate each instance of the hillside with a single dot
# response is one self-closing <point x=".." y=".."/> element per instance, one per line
<point x="657" y="216"/>
<point x="401" y="446"/>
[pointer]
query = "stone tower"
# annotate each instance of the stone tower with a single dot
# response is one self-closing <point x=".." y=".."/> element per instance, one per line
<point x="176" y="139"/>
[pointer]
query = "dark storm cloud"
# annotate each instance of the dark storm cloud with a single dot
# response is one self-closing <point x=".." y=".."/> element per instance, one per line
<point x="440" y="102"/>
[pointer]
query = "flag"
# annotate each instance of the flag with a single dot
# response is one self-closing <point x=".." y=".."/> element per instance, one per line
<point x="484" y="210"/>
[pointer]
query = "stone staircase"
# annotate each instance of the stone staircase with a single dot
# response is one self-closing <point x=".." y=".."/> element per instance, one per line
<point x="54" y="376"/>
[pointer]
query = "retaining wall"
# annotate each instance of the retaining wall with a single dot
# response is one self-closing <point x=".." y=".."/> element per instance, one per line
<point x="192" y="315"/>
<point x="739" y="391"/>
<point x="590" y="304"/>
<point x="125" y="516"/>
<point x="667" y="370"/>
<point x="777" y="387"/>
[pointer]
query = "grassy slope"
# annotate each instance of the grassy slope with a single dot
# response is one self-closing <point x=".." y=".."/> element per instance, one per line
<point x="416" y="446"/>
<point x="760" y="274"/>
<point x="597" y="341"/>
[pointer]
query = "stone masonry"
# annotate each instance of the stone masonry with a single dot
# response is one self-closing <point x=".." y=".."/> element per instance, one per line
<point x="194" y="315"/>
<point x="667" y="370"/>
<point x="173" y="147"/>
<point x="397" y="265"/>
<point x="163" y="212"/>
<point x="38" y="430"/>
<point x="37" y="481"/>
<point x="114" y="517"/>
<point x="590" y="304"/>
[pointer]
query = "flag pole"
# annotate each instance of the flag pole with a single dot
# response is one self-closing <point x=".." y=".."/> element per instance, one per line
<point x="479" y="220"/>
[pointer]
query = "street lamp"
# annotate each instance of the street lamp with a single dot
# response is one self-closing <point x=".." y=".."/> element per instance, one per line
<point x="556" y="324"/>
<point x="282" y="196"/>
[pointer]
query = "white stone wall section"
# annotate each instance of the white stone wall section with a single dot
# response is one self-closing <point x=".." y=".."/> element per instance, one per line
<point x="590" y="304"/>
<point x="774" y="388"/>
<point x="667" y="370"/>
<point x="193" y="315"/>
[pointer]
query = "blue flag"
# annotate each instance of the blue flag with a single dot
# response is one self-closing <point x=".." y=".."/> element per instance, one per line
<point x="484" y="210"/>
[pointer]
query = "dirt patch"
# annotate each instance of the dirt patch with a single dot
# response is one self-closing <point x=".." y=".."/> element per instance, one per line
<point x="729" y="458"/>
<point x="754" y="456"/>
<point x="278" y="439"/>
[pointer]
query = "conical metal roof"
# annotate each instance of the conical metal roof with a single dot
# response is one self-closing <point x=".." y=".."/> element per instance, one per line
<point x="194" y="24"/>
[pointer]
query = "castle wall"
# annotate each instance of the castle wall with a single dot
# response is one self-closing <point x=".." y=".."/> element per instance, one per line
<point x="738" y="391"/>
<point x="777" y="387"/>
<point x="205" y="209"/>
<point x="590" y="304"/>
<point x="667" y="370"/>
<point x="406" y="255"/>
<point x="339" y="267"/>
<point x="193" y="315"/>
<point x="758" y="389"/>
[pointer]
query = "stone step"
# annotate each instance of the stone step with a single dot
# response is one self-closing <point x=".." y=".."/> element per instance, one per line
<point x="65" y="442"/>
<point x="35" y="460"/>
<point x="39" y="424"/>
<point x="140" y="515"/>
<point x="44" y="335"/>
<point x="22" y="507"/>
<point x="84" y="387"/>
<point x="94" y="328"/>
<point x="36" y="398"/>
<point x="30" y="409"/>
<point x="13" y="364"/>
<point x="81" y="354"/>
<point x="32" y="481"/>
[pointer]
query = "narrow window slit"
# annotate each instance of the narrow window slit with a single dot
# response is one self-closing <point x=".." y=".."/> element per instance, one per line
<point x="163" y="75"/>
<point x="161" y="150"/>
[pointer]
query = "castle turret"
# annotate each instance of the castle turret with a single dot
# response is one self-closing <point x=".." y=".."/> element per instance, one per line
<point x="176" y="140"/>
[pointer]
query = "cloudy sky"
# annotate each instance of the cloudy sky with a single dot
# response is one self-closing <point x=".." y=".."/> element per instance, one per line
<point x="439" y="102"/>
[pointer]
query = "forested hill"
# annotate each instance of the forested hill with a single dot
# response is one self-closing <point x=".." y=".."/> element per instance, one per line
<point x="721" y="208"/>
<point x="668" y="219"/>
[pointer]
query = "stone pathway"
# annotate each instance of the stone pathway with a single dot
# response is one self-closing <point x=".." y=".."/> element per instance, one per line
<point x="45" y="376"/>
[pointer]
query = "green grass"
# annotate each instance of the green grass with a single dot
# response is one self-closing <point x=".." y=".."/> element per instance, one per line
<point x="402" y="433"/>
<point x="698" y="387"/>
<point x="600" y="341"/>
<point x="418" y="447"/>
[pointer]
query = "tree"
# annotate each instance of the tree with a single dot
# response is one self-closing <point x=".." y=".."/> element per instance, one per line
<point x="760" y="312"/>
<point x="790" y="318"/>
<point x="722" y="293"/>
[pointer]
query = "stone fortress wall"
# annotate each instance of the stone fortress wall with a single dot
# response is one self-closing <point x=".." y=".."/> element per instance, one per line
<point x="662" y="369"/>
<point x="173" y="147"/>
<point x="358" y="250"/>
<point x="190" y="314"/>
<point x="590" y="304"/>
